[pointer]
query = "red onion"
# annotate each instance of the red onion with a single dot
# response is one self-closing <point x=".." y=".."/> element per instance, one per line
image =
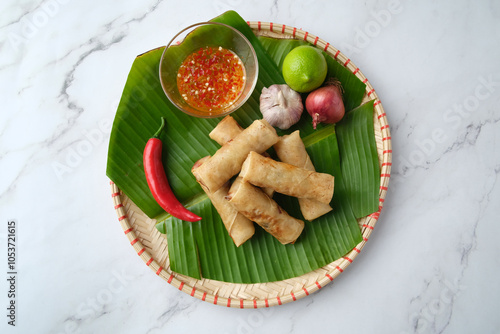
<point x="325" y="104"/>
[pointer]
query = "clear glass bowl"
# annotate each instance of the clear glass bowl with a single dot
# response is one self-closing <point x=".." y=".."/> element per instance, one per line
<point x="191" y="39"/>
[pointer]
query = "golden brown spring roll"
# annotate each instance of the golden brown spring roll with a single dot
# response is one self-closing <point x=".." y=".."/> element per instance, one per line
<point x="260" y="208"/>
<point x="239" y="227"/>
<point x="291" y="149"/>
<point x="287" y="179"/>
<point x="227" y="161"/>
<point x="226" y="130"/>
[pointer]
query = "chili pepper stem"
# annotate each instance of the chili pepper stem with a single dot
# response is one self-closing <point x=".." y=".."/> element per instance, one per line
<point x="157" y="133"/>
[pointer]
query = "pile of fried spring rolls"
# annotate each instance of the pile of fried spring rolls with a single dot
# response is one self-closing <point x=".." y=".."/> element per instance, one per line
<point x="242" y="158"/>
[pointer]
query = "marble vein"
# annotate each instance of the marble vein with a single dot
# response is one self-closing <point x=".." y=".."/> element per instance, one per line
<point x="470" y="136"/>
<point x="439" y="321"/>
<point x="170" y="313"/>
<point x="24" y="14"/>
<point x="96" y="45"/>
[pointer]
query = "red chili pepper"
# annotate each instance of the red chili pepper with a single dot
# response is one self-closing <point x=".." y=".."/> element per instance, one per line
<point x="158" y="182"/>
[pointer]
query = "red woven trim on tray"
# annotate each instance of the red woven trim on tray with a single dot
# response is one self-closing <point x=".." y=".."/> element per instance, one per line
<point x="305" y="36"/>
<point x="255" y="303"/>
<point x="118" y="206"/>
<point x="241" y="302"/>
<point x="204" y="296"/>
<point x="356" y="70"/>
<point x="329" y="277"/>
<point x="315" y="41"/>
<point x="128" y="231"/>
<point x="318" y="285"/>
<point x="336" y="54"/>
<point x="181" y="286"/>
<point x="122" y="217"/>
<point x="347" y="62"/>
<point x="279" y="300"/>
<point x="149" y="261"/>
<point x="159" y="270"/>
<point x="339" y="269"/>
<point x="326" y="46"/>
<point x="215" y="299"/>
<point x="376" y="214"/>
<point x="266" y="301"/>
<point x="229" y="302"/>
<point x="141" y="251"/>
<point x="293" y="296"/>
<point x="307" y="292"/>
<point x="193" y="292"/>
<point x="271" y="26"/>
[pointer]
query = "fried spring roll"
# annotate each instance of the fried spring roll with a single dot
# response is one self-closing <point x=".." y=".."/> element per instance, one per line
<point x="227" y="161"/>
<point x="287" y="179"/>
<point x="253" y="203"/>
<point x="291" y="149"/>
<point x="225" y="131"/>
<point x="239" y="227"/>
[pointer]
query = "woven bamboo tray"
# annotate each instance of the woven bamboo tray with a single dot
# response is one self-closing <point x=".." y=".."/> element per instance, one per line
<point x="151" y="246"/>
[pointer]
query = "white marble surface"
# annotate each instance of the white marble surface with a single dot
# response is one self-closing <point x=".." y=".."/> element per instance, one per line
<point x="430" y="266"/>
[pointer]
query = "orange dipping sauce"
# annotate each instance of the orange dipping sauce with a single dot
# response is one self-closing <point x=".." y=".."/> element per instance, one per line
<point x="211" y="79"/>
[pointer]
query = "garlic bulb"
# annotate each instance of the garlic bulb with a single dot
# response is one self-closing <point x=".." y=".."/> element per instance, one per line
<point x="281" y="106"/>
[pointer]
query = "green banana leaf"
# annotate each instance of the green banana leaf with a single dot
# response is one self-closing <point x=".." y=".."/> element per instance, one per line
<point x="360" y="165"/>
<point x="204" y="249"/>
<point x="263" y="258"/>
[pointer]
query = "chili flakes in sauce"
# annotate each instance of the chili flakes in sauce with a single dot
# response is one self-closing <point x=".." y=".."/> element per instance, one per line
<point x="211" y="79"/>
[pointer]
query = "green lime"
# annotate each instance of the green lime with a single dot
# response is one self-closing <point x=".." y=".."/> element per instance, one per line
<point x="304" y="68"/>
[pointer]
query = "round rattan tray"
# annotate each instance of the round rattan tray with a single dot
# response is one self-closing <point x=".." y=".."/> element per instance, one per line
<point x="151" y="246"/>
